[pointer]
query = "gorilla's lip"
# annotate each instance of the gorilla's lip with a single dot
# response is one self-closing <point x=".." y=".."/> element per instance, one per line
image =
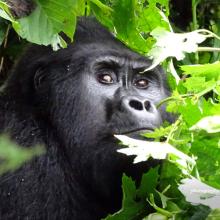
<point x="137" y="133"/>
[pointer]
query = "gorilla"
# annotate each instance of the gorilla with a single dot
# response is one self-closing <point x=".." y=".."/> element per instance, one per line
<point x="73" y="101"/>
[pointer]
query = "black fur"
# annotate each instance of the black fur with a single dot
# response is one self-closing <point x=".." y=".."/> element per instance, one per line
<point x="21" y="8"/>
<point x="56" y="99"/>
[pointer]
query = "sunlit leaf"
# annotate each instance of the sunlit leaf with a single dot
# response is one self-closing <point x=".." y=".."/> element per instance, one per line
<point x="157" y="150"/>
<point x="170" y="44"/>
<point x="197" y="192"/>
<point x="211" y="124"/>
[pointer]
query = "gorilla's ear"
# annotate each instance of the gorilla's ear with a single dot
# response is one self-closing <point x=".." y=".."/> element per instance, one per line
<point x="39" y="77"/>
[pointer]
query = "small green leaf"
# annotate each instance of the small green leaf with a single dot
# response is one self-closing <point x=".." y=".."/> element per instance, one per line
<point x="12" y="156"/>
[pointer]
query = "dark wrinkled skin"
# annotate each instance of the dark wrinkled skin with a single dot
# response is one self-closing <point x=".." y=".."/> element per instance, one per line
<point x="56" y="99"/>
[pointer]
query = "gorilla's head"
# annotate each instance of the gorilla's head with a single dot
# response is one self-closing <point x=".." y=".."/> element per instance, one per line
<point x="85" y="94"/>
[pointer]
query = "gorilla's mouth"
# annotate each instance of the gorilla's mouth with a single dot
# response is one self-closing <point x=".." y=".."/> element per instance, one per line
<point x="137" y="133"/>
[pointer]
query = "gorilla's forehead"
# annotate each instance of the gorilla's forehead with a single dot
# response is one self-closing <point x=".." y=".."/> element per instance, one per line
<point x="113" y="52"/>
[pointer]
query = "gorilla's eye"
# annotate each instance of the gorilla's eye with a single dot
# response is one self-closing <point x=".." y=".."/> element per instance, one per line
<point x="105" y="78"/>
<point x="141" y="83"/>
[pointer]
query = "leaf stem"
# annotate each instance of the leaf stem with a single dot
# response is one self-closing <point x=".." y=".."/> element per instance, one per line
<point x="195" y="23"/>
<point x="173" y="98"/>
<point x="208" y="49"/>
<point x="174" y="128"/>
<point x="211" y="34"/>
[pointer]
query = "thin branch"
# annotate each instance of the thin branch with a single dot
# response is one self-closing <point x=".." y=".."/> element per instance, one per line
<point x="208" y="49"/>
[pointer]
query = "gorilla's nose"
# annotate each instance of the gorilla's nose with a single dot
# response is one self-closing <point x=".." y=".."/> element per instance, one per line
<point x="139" y="104"/>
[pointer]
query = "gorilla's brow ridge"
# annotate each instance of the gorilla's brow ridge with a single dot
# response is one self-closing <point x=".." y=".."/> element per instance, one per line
<point x="120" y="60"/>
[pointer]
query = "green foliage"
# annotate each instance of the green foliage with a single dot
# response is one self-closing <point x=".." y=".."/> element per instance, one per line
<point x="12" y="156"/>
<point x="50" y="18"/>
<point x="134" y="20"/>
<point x="192" y="142"/>
<point x="45" y="23"/>
<point x="135" y="200"/>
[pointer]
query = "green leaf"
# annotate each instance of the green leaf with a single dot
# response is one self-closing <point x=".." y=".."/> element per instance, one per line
<point x="214" y="215"/>
<point x="206" y="148"/>
<point x="102" y="13"/>
<point x="190" y="111"/>
<point x="163" y="3"/>
<point x="12" y="156"/>
<point x="209" y="71"/>
<point x="48" y="20"/>
<point x="134" y="200"/>
<point x="151" y="18"/>
<point x="124" y="19"/>
<point x="130" y="206"/>
<point x="148" y="182"/>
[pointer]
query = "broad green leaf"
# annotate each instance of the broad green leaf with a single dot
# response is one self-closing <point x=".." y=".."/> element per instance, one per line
<point x="149" y="182"/>
<point x="102" y="12"/>
<point x="163" y="3"/>
<point x="192" y="111"/>
<point x="209" y="71"/>
<point x="48" y="20"/>
<point x="134" y="20"/>
<point x="197" y="192"/>
<point x="151" y="18"/>
<point x="206" y="147"/>
<point x="199" y="84"/>
<point x="78" y="6"/>
<point x="124" y="19"/>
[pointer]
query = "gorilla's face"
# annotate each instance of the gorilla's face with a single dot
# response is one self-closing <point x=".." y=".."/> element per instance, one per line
<point x="109" y="93"/>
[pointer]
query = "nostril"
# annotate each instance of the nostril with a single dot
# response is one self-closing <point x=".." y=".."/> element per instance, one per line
<point x="136" y="105"/>
<point x="147" y="105"/>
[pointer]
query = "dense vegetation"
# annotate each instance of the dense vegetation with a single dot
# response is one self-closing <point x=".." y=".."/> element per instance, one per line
<point x="187" y="185"/>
